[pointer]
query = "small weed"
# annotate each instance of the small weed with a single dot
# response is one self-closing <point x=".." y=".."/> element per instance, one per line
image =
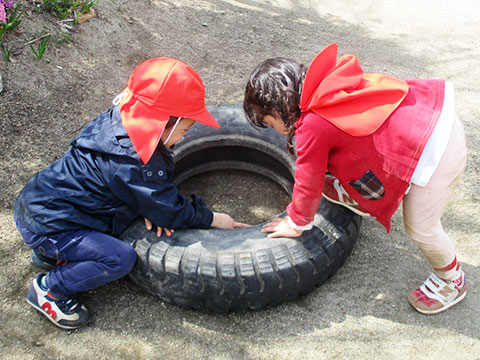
<point x="12" y="21"/>
<point x="85" y="6"/>
<point x="63" y="8"/>
<point x="6" y="52"/>
<point x="60" y="7"/>
<point x="41" y="47"/>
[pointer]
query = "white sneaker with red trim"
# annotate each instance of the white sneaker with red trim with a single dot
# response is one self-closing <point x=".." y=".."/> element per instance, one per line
<point x="437" y="295"/>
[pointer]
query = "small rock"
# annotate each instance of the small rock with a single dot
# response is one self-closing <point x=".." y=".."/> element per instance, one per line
<point x="17" y="51"/>
<point x="1" y="84"/>
<point x="205" y="25"/>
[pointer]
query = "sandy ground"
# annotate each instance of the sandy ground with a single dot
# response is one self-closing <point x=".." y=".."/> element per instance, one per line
<point x="362" y="311"/>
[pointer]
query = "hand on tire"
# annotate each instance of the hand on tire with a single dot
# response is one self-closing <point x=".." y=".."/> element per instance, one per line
<point x="149" y="226"/>
<point x="224" y="221"/>
<point x="279" y="227"/>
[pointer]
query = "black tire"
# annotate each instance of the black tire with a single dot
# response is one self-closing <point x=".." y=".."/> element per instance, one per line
<point x="238" y="269"/>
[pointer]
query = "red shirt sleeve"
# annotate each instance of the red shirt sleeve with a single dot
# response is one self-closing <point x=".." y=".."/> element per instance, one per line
<point x="313" y="147"/>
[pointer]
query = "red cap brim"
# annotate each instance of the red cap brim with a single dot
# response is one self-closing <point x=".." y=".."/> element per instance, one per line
<point x="203" y="117"/>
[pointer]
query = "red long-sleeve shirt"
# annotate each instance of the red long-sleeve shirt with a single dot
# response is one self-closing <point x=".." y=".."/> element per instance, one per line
<point x="391" y="153"/>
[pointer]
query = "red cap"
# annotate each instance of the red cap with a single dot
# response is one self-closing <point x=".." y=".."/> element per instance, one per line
<point x="157" y="89"/>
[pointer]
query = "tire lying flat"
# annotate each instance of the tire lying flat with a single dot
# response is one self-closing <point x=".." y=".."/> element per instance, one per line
<point x="238" y="269"/>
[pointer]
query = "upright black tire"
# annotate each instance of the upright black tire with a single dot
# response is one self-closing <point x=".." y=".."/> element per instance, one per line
<point x="238" y="269"/>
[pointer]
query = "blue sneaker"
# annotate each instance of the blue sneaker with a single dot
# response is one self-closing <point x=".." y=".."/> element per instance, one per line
<point x="66" y="313"/>
<point x="43" y="262"/>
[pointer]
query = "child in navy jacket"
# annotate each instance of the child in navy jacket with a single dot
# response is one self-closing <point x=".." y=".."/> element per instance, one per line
<point x="117" y="169"/>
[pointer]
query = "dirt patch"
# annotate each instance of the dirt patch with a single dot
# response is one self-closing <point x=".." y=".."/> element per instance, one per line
<point x="248" y="198"/>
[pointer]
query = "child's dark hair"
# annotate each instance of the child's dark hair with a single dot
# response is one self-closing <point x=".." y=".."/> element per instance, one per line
<point x="274" y="88"/>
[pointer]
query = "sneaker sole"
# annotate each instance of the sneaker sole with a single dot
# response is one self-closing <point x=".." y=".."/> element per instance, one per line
<point x="35" y="305"/>
<point x="436" y="311"/>
<point x="38" y="263"/>
<point x="356" y="211"/>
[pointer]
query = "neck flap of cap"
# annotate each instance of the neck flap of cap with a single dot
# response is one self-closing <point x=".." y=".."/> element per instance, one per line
<point x="143" y="125"/>
<point x="340" y="92"/>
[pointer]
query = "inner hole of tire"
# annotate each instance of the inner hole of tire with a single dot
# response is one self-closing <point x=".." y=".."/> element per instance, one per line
<point x="246" y="196"/>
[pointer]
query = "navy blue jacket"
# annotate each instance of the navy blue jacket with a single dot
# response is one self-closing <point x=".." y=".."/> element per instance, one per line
<point x="100" y="183"/>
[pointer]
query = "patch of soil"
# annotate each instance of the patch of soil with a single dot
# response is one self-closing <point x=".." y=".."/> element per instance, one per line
<point x="247" y="197"/>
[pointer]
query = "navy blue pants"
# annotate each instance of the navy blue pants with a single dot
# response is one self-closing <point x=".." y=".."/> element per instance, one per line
<point x="93" y="259"/>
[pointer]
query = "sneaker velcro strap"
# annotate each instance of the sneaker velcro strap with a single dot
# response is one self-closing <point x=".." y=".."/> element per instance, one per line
<point x="436" y="288"/>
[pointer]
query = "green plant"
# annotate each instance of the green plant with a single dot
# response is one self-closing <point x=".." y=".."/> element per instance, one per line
<point x="85" y="6"/>
<point x="6" y="52"/>
<point x="41" y="47"/>
<point x="63" y="8"/>
<point x="60" y="7"/>
<point x="12" y="21"/>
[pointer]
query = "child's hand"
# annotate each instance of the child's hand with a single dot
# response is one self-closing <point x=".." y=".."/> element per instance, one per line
<point x="280" y="228"/>
<point x="224" y="221"/>
<point x="149" y="226"/>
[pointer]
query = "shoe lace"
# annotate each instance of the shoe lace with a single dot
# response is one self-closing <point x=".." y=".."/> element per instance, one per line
<point x="67" y="305"/>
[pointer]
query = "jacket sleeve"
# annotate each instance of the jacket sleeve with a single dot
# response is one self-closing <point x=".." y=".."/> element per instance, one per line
<point x="312" y="150"/>
<point x="159" y="200"/>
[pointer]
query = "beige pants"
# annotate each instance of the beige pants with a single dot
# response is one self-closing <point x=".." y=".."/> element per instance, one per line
<point x="424" y="206"/>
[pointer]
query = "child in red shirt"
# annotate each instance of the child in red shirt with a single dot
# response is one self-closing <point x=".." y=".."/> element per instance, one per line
<point x="381" y="139"/>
